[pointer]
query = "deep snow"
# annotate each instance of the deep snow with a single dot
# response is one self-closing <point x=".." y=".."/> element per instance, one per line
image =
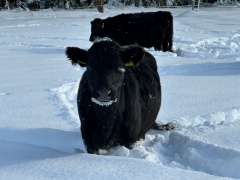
<point x="39" y="125"/>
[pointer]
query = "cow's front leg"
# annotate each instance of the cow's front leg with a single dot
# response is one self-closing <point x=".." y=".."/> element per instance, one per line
<point x="88" y="140"/>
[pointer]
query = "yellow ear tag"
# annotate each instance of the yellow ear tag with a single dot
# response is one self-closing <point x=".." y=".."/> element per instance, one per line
<point x="80" y="62"/>
<point x="128" y="64"/>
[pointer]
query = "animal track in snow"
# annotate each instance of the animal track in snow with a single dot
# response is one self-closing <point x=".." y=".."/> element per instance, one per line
<point x="214" y="48"/>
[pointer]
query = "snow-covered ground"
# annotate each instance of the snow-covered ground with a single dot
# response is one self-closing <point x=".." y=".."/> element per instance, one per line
<point x="39" y="126"/>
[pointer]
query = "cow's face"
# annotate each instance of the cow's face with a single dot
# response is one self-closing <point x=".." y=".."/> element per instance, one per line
<point x="106" y="63"/>
<point x="105" y="76"/>
<point x="97" y="29"/>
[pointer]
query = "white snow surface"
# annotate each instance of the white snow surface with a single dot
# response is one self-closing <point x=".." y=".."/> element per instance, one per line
<point x="39" y="125"/>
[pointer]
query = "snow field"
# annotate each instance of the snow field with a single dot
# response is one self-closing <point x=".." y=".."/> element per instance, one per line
<point x="39" y="125"/>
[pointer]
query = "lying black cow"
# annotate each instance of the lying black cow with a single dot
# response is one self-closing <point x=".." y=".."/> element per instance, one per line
<point x="151" y="29"/>
<point x="119" y="94"/>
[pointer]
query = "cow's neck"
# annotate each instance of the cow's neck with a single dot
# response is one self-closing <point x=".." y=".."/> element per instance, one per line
<point x="105" y="113"/>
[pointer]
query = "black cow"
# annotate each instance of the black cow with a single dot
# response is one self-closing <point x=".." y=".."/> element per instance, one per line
<point x="150" y="29"/>
<point x="119" y="94"/>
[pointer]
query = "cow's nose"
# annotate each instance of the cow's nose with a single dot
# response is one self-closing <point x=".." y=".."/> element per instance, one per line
<point x="104" y="95"/>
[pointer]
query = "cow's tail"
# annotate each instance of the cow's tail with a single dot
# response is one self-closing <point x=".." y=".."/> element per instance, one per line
<point x="165" y="127"/>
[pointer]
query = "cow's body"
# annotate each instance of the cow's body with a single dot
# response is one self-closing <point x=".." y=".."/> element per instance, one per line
<point x="119" y="94"/>
<point x="149" y="29"/>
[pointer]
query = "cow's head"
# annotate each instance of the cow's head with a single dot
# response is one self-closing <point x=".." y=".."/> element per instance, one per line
<point x="106" y="63"/>
<point x="97" y="29"/>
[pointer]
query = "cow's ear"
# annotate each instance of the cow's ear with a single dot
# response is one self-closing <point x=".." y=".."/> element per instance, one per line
<point x="132" y="54"/>
<point x="77" y="56"/>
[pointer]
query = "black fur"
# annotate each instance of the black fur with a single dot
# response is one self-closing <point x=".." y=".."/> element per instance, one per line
<point x="149" y="29"/>
<point x="136" y="89"/>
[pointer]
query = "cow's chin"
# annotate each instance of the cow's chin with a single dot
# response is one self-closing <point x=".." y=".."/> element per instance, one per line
<point x="103" y="103"/>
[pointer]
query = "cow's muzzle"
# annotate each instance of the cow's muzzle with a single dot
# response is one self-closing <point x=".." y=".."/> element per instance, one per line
<point x="104" y="95"/>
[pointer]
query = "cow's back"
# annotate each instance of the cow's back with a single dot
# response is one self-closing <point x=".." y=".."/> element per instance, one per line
<point x="153" y="27"/>
<point x="145" y="29"/>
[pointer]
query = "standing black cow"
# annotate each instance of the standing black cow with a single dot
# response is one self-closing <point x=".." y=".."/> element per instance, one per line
<point x="150" y="29"/>
<point x="119" y="94"/>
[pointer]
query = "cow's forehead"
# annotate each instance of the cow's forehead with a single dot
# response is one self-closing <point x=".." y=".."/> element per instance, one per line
<point x="104" y="53"/>
<point x="106" y="61"/>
